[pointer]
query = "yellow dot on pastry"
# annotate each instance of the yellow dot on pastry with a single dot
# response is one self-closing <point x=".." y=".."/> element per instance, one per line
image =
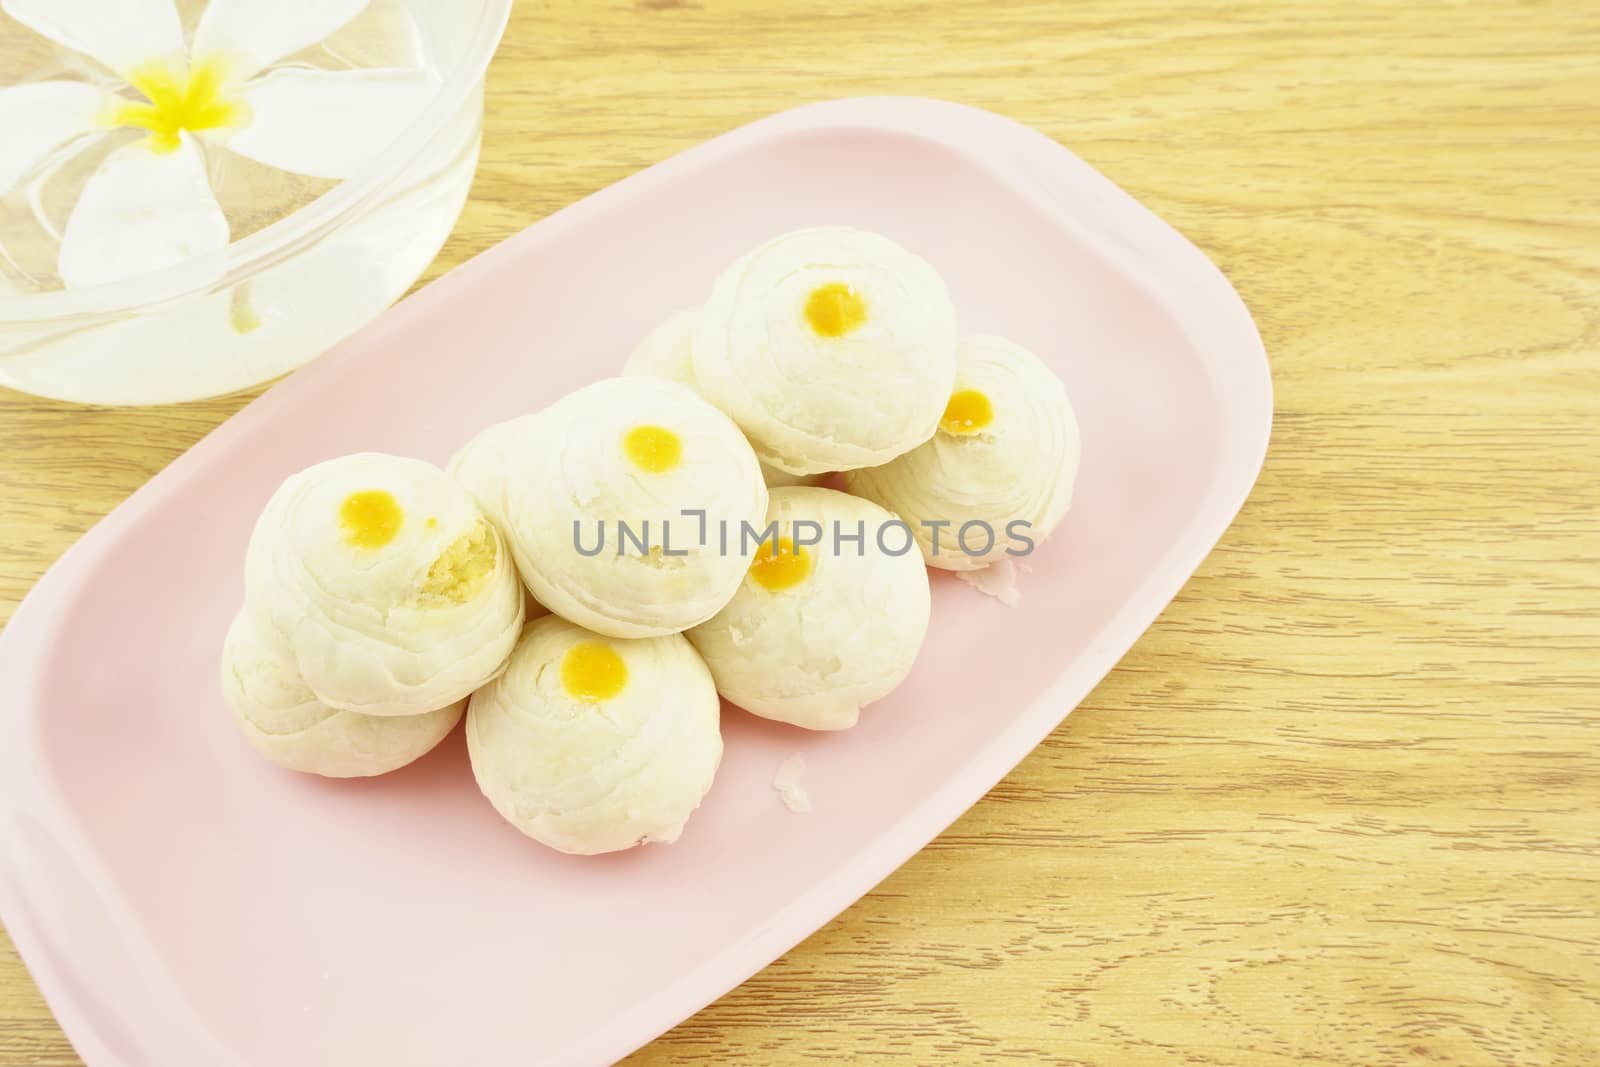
<point x="835" y="309"/>
<point x="370" y="518"/>
<point x="591" y="671"/>
<point x="967" y="412"/>
<point x="653" y="449"/>
<point x="785" y="569"/>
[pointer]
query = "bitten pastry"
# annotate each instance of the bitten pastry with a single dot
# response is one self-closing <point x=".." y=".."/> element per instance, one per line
<point x="615" y="499"/>
<point x="668" y="352"/>
<point x="831" y="348"/>
<point x="1006" y="452"/>
<point x="384" y="585"/>
<point x="592" y="744"/>
<point x="284" y="721"/>
<point x="817" y="631"/>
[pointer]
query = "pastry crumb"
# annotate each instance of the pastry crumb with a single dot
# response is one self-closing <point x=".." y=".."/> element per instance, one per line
<point x="998" y="580"/>
<point x="787" y="783"/>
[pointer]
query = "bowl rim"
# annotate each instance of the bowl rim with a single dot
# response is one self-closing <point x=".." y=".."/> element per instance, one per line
<point x="239" y="260"/>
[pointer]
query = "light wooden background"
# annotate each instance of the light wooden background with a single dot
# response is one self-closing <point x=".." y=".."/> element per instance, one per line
<point x="1341" y="805"/>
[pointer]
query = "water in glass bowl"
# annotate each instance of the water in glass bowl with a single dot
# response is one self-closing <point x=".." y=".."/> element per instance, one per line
<point x="34" y="213"/>
<point x="199" y="333"/>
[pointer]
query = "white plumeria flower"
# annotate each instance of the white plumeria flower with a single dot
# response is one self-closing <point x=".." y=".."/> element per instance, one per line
<point x="150" y="204"/>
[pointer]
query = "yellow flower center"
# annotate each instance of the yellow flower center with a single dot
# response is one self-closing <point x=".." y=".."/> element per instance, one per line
<point x="591" y="671"/>
<point x="178" y="99"/>
<point x="835" y="309"/>
<point x="967" y="412"/>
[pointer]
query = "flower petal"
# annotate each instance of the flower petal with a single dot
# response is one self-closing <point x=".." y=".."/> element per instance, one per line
<point x="122" y="34"/>
<point x="141" y="211"/>
<point x="255" y="33"/>
<point x="38" y="118"/>
<point x="326" y="123"/>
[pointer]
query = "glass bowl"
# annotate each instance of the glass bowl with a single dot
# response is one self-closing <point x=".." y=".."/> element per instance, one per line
<point x="281" y="294"/>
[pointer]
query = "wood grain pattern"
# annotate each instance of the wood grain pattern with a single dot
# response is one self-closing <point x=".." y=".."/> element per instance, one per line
<point x="1339" y="806"/>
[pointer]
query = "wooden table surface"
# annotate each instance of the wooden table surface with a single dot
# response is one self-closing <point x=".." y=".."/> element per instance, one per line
<point x="1341" y="804"/>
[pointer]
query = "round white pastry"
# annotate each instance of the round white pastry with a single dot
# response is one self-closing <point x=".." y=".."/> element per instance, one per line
<point x="831" y="348"/>
<point x="615" y="498"/>
<point x="284" y="721"/>
<point x="998" y="474"/>
<point x="592" y="744"/>
<point x="668" y="352"/>
<point x="818" y="631"/>
<point x="384" y="584"/>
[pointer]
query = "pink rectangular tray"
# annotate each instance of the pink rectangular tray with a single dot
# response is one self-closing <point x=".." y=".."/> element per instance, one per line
<point x="181" y="902"/>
